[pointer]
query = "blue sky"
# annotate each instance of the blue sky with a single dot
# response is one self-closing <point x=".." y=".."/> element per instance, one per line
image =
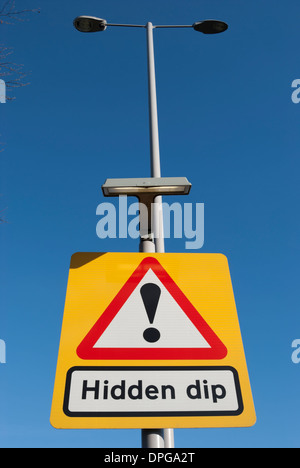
<point x="227" y="123"/>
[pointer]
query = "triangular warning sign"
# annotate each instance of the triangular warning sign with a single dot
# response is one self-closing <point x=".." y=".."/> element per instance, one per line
<point x="151" y="318"/>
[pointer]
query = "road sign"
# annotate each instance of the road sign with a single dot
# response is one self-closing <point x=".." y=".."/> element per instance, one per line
<point x="151" y="340"/>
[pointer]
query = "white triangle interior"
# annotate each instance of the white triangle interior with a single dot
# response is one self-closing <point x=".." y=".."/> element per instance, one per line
<point x="127" y="328"/>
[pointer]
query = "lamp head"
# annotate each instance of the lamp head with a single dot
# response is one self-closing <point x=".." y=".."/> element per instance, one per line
<point x="89" y="24"/>
<point x="146" y="187"/>
<point x="210" y="26"/>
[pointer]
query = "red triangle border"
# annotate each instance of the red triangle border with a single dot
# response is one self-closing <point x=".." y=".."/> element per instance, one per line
<point x="86" y="350"/>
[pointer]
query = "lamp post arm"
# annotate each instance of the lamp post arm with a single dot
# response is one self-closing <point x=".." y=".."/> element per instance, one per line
<point x="173" y="26"/>
<point x="126" y="25"/>
<point x="143" y="26"/>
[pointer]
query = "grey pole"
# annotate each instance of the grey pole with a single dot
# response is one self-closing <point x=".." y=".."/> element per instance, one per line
<point x="155" y="438"/>
<point x="151" y="438"/>
<point x="154" y="140"/>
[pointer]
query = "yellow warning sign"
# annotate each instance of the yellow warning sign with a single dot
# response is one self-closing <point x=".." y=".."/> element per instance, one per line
<point x="151" y="340"/>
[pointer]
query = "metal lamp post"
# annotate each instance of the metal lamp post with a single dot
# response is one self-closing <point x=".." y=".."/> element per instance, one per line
<point x="154" y="241"/>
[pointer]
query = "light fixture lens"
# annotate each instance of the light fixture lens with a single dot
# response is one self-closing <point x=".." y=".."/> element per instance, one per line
<point x="210" y="27"/>
<point x="83" y="25"/>
<point x="89" y="24"/>
<point x="169" y="189"/>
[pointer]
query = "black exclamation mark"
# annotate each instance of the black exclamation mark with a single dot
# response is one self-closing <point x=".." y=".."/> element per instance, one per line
<point x="150" y="294"/>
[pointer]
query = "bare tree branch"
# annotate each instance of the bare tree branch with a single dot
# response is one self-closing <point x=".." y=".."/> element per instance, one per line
<point x="8" y="11"/>
<point x="11" y="73"/>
